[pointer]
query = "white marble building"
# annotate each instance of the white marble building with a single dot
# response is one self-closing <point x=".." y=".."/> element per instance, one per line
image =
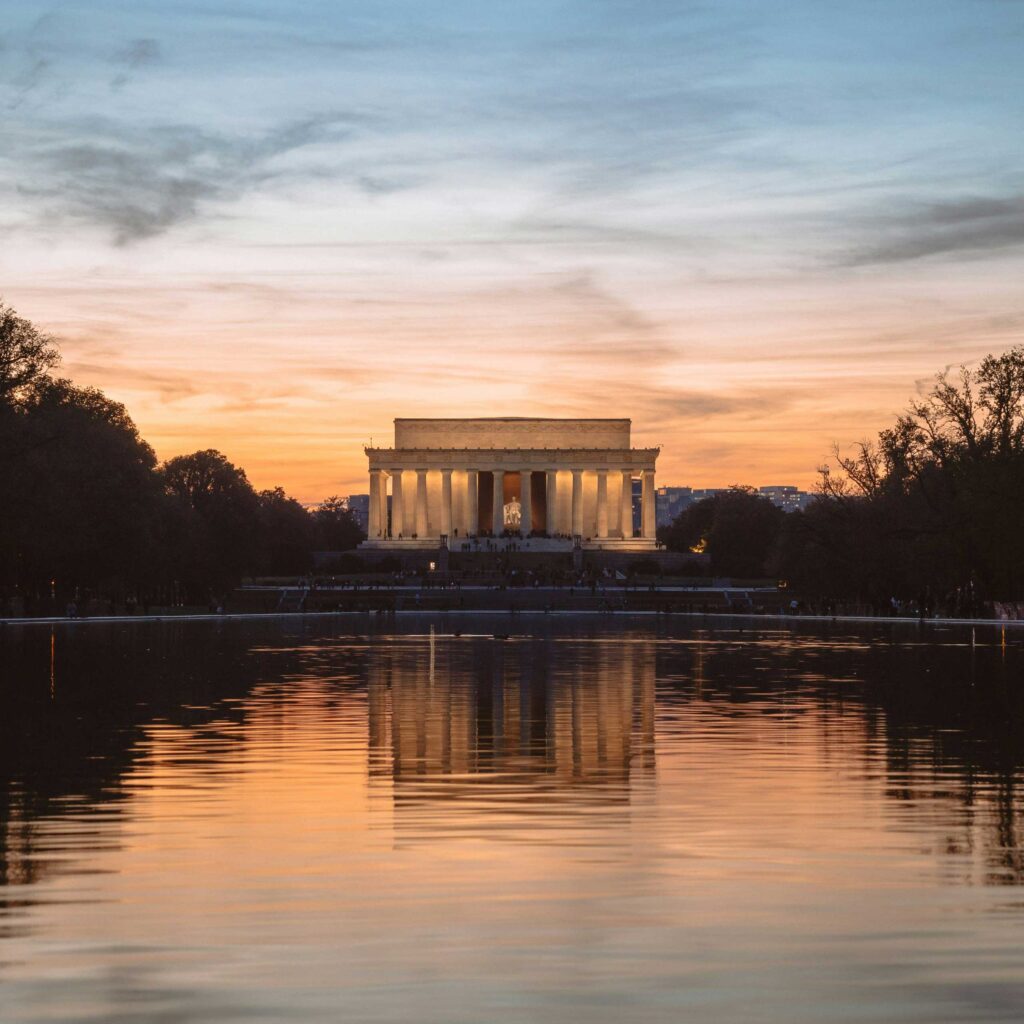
<point x="550" y="480"/>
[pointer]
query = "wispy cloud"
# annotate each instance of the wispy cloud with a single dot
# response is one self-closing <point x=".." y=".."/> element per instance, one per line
<point x="972" y="225"/>
<point x="141" y="181"/>
<point x="751" y="227"/>
<point x="137" y="54"/>
<point x="170" y="387"/>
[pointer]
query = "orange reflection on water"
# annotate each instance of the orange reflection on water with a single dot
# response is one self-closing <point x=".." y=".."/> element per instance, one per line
<point x="546" y="823"/>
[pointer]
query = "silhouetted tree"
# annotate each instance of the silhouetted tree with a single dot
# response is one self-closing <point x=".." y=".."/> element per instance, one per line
<point x="931" y="511"/>
<point x="737" y="529"/>
<point x="84" y="507"/>
<point x="289" y="534"/>
<point x="337" y="527"/>
<point x="80" y="494"/>
<point x="225" y="513"/>
<point x="27" y="356"/>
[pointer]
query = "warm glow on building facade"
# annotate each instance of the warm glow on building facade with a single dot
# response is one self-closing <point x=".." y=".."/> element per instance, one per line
<point x="551" y="482"/>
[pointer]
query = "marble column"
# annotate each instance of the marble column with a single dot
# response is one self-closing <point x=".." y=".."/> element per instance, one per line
<point x="626" y="514"/>
<point x="382" y="505"/>
<point x="551" y="501"/>
<point x="602" y="503"/>
<point x="422" y="529"/>
<point x="577" y="502"/>
<point x="647" y="517"/>
<point x="498" y="503"/>
<point x="446" y="502"/>
<point x="373" y="525"/>
<point x="525" y="499"/>
<point x="397" y="505"/>
<point x="472" y="502"/>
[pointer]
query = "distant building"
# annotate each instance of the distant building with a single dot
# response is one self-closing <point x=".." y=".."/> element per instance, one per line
<point x="786" y="496"/>
<point x="672" y="501"/>
<point x="359" y="506"/>
<point x="700" y="493"/>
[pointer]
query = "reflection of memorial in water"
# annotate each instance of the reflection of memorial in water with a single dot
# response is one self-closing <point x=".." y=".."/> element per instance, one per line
<point x="548" y="738"/>
<point x="495" y="723"/>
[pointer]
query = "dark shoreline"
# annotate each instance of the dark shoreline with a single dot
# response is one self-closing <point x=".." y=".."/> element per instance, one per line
<point x="512" y="613"/>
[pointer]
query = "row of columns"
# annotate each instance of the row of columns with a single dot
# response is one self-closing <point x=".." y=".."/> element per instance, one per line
<point x="379" y="502"/>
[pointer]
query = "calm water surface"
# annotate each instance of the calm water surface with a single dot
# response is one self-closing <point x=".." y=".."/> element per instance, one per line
<point x="418" y="821"/>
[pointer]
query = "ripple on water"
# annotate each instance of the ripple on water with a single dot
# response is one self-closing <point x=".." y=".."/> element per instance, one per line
<point x="585" y="821"/>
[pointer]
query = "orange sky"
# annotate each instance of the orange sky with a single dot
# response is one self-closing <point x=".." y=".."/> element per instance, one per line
<point x="738" y="382"/>
<point x="753" y="229"/>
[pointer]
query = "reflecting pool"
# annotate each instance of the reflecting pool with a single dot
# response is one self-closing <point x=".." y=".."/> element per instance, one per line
<point x="459" y="819"/>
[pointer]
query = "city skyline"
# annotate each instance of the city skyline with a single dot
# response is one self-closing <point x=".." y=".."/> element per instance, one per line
<point x="756" y="232"/>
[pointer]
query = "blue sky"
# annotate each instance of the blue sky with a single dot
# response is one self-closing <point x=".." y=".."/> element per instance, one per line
<point x="754" y="227"/>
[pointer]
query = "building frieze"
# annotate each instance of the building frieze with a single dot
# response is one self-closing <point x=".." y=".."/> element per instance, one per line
<point x="512" y="459"/>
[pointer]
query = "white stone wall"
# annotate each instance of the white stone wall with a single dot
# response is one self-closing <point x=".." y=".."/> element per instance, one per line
<point x="512" y="433"/>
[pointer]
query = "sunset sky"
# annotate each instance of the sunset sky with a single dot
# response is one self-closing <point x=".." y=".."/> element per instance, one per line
<point x="755" y="228"/>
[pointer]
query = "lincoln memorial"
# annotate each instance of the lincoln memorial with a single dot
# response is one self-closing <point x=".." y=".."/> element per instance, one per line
<point x="557" y="482"/>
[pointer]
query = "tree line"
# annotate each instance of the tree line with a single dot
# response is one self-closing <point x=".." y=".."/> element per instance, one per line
<point x="930" y="516"/>
<point x="86" y="509"/>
